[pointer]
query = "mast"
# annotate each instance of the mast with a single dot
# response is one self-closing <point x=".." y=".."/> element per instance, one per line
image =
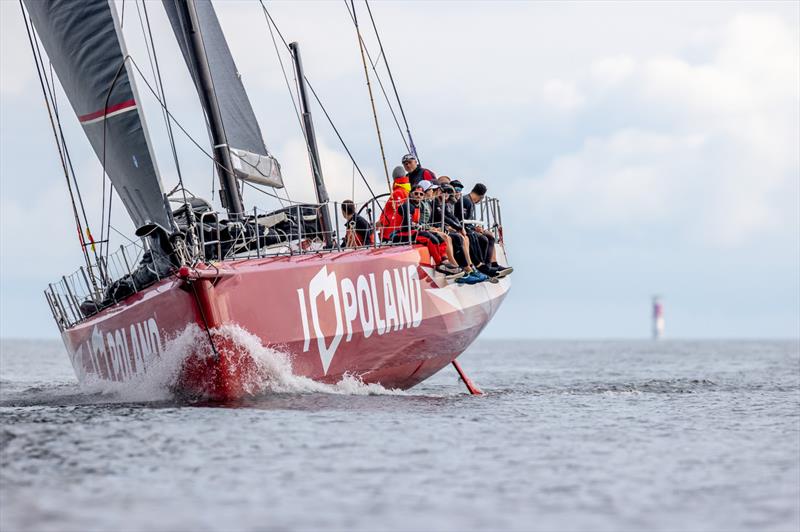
<point x="311" y="140"/>
<point x="229" y="190"/>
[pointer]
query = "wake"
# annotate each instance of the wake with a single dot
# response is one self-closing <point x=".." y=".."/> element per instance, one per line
<point x="273" y="375"/>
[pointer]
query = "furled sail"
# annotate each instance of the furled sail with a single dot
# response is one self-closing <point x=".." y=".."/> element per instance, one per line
<point x="85" y="46"/>
<point x="250" y="158"/>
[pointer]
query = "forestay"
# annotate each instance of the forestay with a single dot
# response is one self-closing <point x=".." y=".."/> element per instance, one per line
<point x="86" y="48"/>
<point x="250" y="158"/>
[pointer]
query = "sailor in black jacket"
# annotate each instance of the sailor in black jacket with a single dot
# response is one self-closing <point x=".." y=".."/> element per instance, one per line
<point x="465" y="212"/>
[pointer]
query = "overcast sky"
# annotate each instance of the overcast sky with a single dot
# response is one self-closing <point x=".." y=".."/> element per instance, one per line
<point x="638" y="148"/>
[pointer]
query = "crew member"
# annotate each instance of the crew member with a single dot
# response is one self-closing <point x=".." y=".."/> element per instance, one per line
<point x="400" y="189"/>
<point x="444" y="220"/>
<point x="415" y="172"/>
<point x="425" y="206"/>
<point x="408" y="214"/>
<point x="359" y="231"/>
<point x="465" y="211"/>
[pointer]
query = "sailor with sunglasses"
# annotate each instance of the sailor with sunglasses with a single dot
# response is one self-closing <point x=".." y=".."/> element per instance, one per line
<point x="410" y="231"/>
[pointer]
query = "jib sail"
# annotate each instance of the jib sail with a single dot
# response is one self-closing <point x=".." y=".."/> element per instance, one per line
<point x="249" y="157"/>
<point x="86" y="48"/>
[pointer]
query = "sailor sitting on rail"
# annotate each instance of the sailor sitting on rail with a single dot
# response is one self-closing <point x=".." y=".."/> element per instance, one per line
<point x="465" y="211"/>
<point x="443" y="218"/>
<point x="426" y="222"/>
<point x="408" y="219"/>
<point x="425" y="205"/>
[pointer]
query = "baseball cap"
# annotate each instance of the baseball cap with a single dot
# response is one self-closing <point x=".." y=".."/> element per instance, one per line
<point x="409" y="157"/>
<point x="424" y="184"/>
<point x="456" y="184"/>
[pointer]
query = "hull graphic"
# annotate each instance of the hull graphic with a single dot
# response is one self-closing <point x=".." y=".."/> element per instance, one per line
<point x="382" y="315"/>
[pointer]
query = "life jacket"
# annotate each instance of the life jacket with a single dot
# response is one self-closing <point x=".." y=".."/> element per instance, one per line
<point x="420" y="174"/>
<point x="426" y="212"/>
<point x="398" y="222"/>
<point x="388" y="218"/>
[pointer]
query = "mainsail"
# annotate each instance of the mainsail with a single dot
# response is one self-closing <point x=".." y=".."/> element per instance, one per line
<point x="250" y="159"/>
<point x="86" y="48"/>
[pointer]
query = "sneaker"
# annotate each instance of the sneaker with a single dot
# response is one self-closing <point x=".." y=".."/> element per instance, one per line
<point x="455" y="276"/>
<point x="473" y="278"/>
<point x="469" y="278"/>
<point x="464" y="280"/>
<point x="487" y="270"/>
<point x="447" y="268"/>
<point x="502" y="271"/>
<point x="479" y="276"/>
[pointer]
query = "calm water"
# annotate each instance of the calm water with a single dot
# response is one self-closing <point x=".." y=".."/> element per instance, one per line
<point x="572" y="435"/>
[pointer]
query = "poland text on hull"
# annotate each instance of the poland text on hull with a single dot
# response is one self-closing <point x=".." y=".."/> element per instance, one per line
<point x="381" y="314"/>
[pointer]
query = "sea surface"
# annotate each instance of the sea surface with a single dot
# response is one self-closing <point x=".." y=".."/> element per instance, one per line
<point x="609" y="435"/>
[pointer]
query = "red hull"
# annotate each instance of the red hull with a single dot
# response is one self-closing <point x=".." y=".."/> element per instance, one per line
<point x="381" y="314"/>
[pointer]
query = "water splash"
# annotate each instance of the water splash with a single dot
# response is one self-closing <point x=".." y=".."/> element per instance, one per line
<point x="162" y="371"/>
<point x="273" y="370"/>
<point x="275" y="373"/>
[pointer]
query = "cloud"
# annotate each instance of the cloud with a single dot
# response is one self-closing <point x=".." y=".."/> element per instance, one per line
<point x="562" y="95"/>
<point x="720" y="161"/>
<point x="340" y="178"/>
<point x="610" y="71"/>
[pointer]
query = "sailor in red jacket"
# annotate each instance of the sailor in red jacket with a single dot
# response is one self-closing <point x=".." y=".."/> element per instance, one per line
<point x="416" y="173"/>
<point x="389" y="222"/>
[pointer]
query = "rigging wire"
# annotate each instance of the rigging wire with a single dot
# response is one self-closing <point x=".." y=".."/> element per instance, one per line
<point x="39" y="66"/>
<point x="123" y="235"/>
<point x="104" y="232"/>
<point x="61" y="139"/>
<point x="319" y="102"/>
<point x="380" y="82"/>
<point x="180" y="126"/>
<point x="190" y="218"/>
<point x="226" y="147"/>
<point x="371" y="99"/>
<point x="285" y="78"/>
<point x="157" y="75"/>
<point x="303" y="132"/>
<point x="108" y="228"/>
<point x="391" y="78"/>
<point x="267" y="19"/>
<point x="159" y="95"/>
<point x="283" y="69"/>
<point x="240" y="187"/>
